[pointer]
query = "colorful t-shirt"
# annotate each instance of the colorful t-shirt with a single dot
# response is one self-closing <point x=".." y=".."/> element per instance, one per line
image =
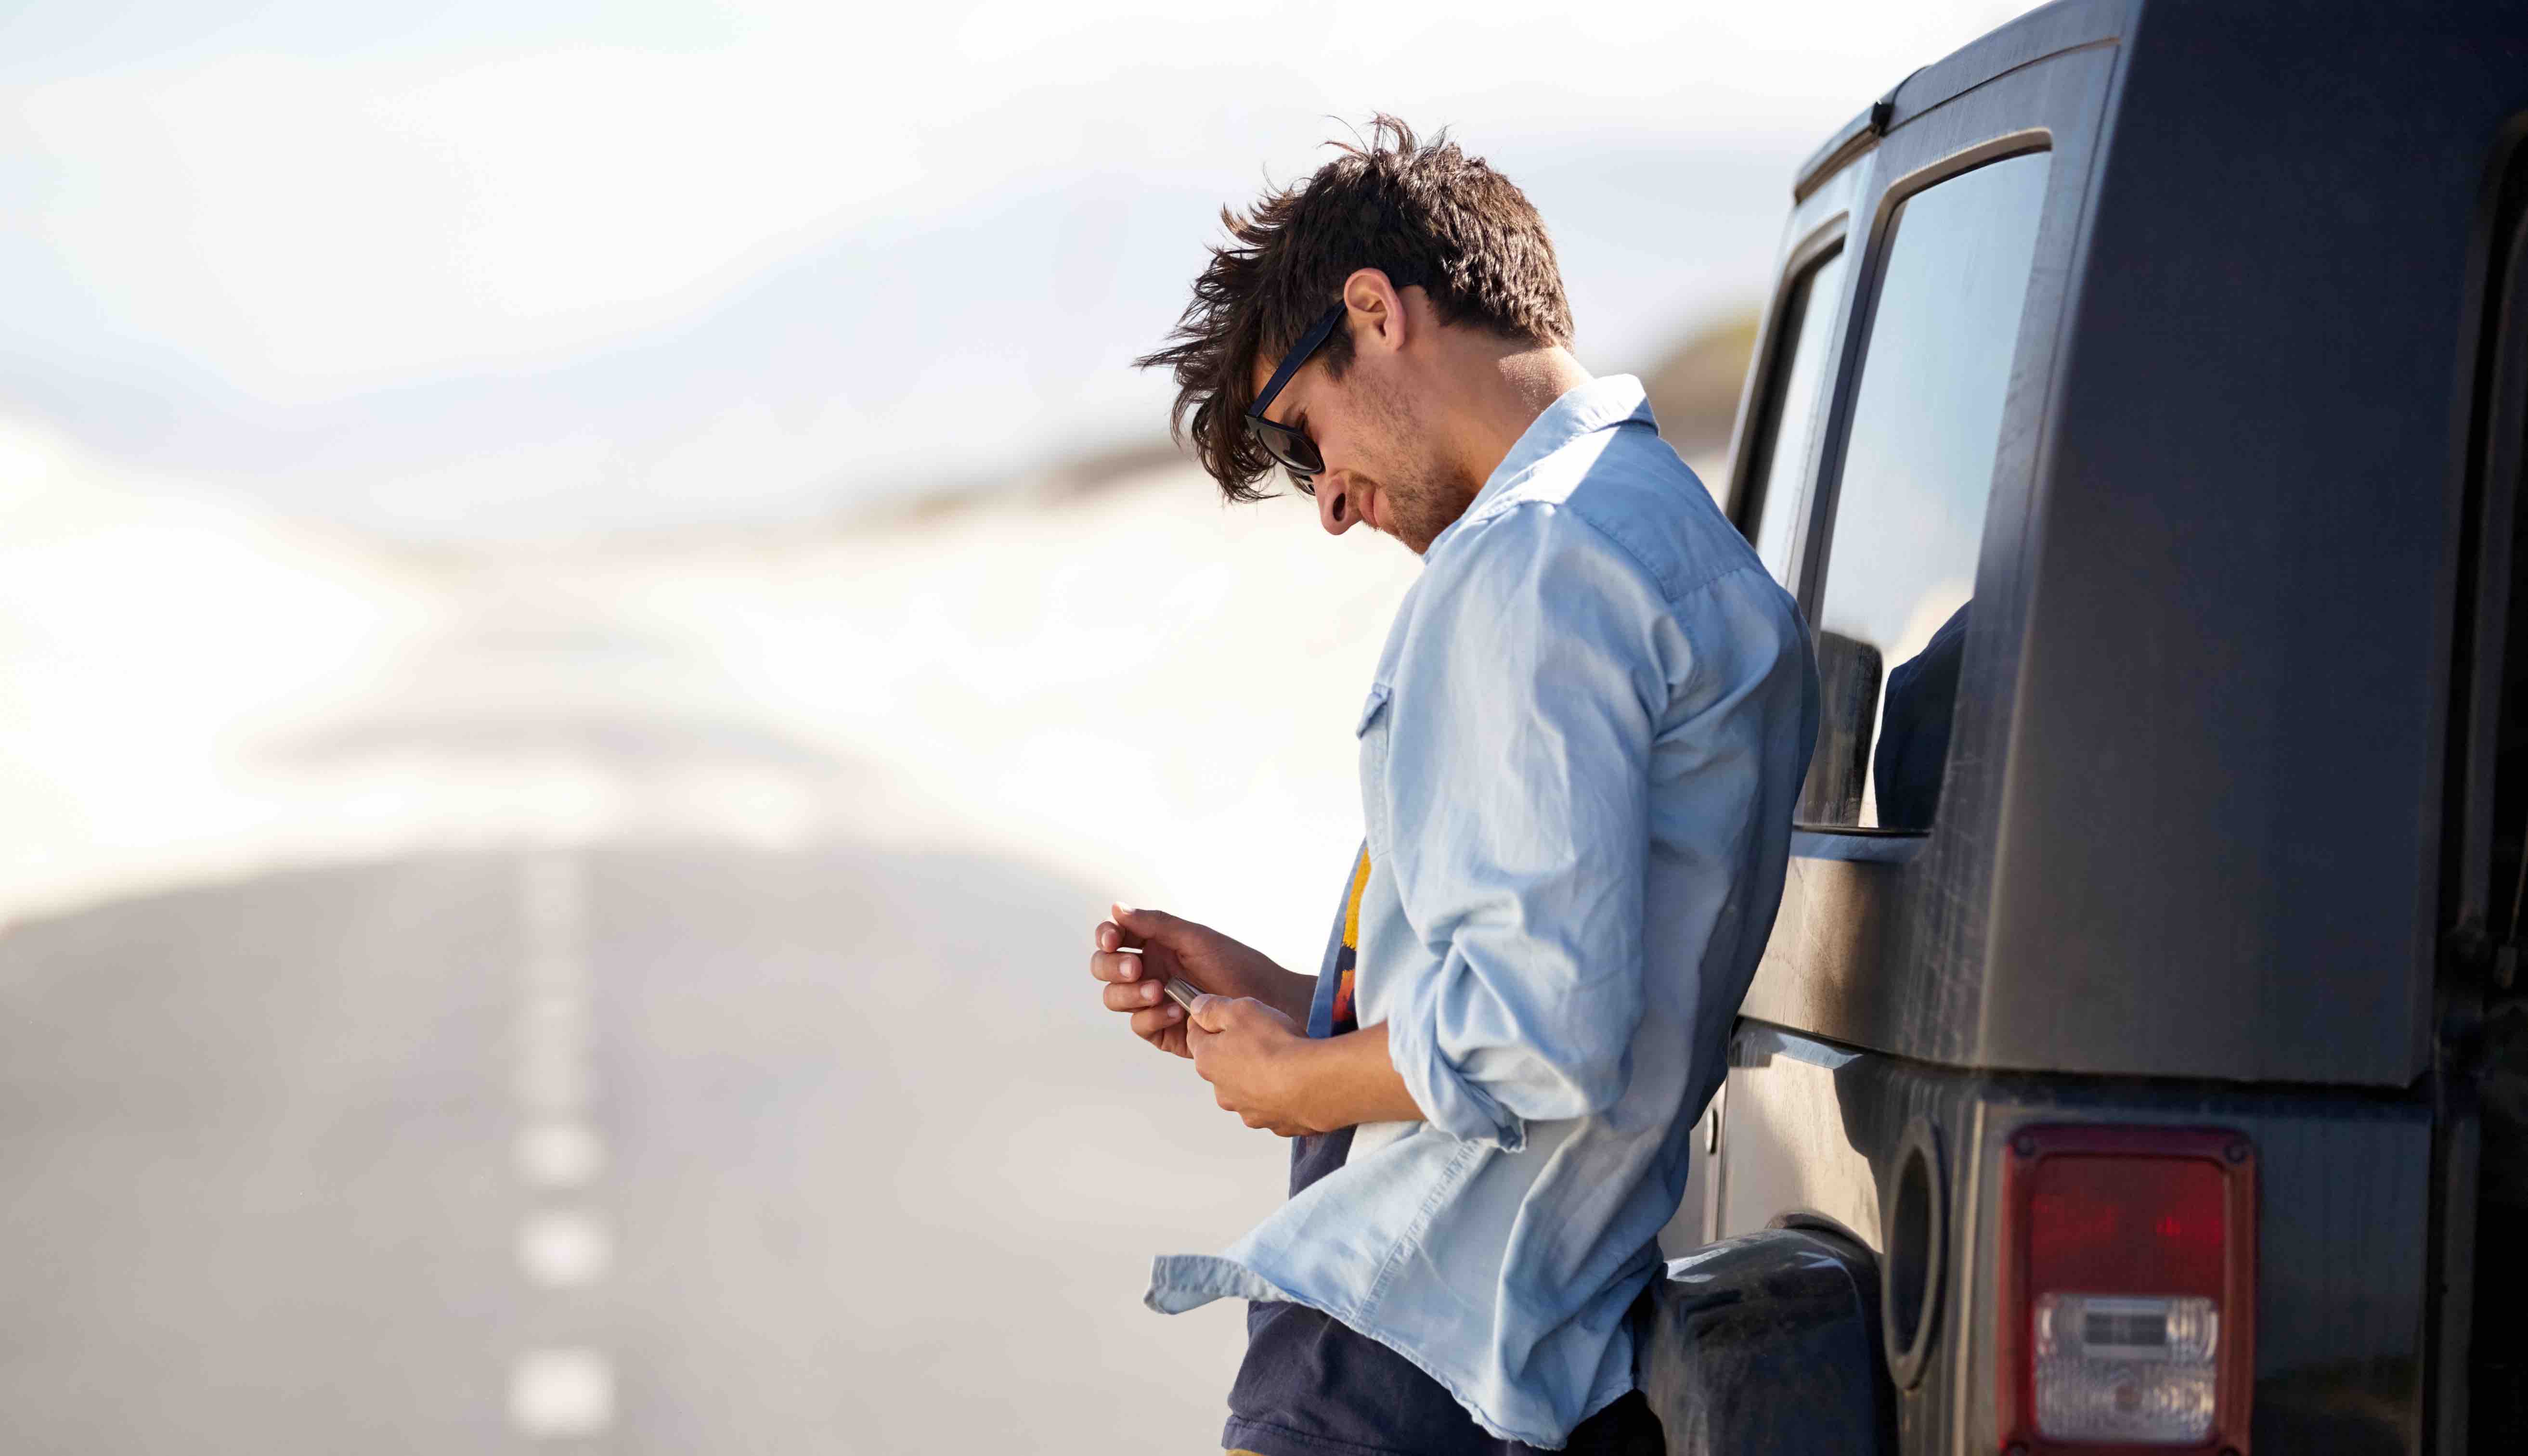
<point x="1348" y="953"/>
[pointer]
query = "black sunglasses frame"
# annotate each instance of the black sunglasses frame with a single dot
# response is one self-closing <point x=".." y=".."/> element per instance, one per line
<point x="1291" y="448"/>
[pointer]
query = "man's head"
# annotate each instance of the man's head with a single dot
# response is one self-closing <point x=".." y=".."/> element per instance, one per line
<point x="1439" y="264"/>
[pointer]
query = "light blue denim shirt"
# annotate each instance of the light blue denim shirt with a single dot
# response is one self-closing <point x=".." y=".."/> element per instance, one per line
<point x="1578" y="761"/>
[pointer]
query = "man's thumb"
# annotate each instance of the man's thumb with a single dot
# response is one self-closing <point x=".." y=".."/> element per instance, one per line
<point x="1144" y="923"/>
<point x="1211" y="1013"/>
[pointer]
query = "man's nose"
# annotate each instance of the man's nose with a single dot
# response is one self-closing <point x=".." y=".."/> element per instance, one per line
<point x="1337" y="507"/>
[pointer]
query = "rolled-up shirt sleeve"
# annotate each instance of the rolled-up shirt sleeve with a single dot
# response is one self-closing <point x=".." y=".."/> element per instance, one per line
<point x="1516" y="796"/>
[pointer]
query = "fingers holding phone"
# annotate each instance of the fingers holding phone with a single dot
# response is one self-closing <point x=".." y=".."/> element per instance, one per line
<point x="1141" y="983"/>
<point x="1145" y="957"/>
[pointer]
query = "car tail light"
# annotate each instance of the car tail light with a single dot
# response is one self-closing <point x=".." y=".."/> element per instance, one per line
<point x="2128" y="1287"/>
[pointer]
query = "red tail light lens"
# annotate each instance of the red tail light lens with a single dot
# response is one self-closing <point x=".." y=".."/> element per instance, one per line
<point x="2126" y="1288"/>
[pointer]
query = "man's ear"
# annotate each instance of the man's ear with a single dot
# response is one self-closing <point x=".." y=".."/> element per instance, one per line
<point x="1379" y="319"/>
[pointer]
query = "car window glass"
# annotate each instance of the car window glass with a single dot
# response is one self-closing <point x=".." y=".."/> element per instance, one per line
<point x="1779" y="450"/>
<point x="1908" y="508"/>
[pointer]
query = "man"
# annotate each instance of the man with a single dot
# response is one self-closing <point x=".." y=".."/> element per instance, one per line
<point x="1578" y="760"/>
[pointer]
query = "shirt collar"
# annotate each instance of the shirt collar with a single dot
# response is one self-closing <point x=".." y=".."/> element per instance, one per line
<point x="1599" y="404"/>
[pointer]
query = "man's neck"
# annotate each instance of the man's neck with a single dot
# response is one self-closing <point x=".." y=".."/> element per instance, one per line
<point x="1503" y="388"/>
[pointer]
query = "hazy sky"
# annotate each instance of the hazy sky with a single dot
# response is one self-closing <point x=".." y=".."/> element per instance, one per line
<point x="480" y="268"/>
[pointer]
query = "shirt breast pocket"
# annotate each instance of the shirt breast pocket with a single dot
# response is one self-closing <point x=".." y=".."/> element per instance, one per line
<point x="1372" y="732"/>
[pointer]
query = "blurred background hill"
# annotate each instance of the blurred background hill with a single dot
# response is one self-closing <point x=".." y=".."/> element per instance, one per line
<point x="590" y="612"/>
<point x="1694" y="386"/>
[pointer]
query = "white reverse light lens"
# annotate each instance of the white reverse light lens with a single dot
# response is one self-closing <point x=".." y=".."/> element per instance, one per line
<point x="2116" y="1368"/>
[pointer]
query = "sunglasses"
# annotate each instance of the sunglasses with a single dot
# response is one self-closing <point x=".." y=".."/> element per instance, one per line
<point x="1290" y="447"/>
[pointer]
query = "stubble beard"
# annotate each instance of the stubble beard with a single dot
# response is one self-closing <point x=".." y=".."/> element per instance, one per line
<point x="1418" y="490"/>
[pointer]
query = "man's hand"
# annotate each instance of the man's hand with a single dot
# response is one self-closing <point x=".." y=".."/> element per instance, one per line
<point x="1252" y="1055"/>
<point x="1208" y="960"/>
<point x="1247" y="1040"/>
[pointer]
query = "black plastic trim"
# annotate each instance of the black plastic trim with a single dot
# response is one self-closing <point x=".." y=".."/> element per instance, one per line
<point x="1914" y="1251"/>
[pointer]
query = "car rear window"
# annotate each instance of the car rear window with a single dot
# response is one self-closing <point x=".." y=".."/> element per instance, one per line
<point x="1779" y="449"/>
<point x="1908" y="508"/>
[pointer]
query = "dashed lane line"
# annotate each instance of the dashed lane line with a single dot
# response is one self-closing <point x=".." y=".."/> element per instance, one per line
<point x="559" y="1392"/>
<point x="563" y="1249"/>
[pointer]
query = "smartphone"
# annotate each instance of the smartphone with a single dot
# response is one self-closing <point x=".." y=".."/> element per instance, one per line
<point x="1181" y="993"/>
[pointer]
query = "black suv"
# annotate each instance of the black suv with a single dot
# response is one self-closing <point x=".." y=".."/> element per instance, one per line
<point x="2139" y="1059"/>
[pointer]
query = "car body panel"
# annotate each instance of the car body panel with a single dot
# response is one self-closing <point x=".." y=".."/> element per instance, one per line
<point x="2174" y="660"/>
<point x="2340" y="1311"/>
<point x="2187" y="867"/>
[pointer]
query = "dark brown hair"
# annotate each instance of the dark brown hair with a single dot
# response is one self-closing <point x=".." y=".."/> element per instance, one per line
<point x="1422" y="213"/>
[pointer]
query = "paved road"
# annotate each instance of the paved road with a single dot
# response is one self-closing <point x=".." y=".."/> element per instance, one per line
<point x="664" y="1149"/>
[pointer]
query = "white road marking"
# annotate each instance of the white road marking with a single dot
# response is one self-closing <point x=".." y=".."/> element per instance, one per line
<point x="561" y="1249"/>
<point x="561" y="1392"/>
<point x="559" y="1154"/>
<point x="569" y="1391"/>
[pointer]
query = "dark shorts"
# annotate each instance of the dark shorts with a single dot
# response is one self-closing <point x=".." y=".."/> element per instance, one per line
<point x="1311" y="1386"/>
